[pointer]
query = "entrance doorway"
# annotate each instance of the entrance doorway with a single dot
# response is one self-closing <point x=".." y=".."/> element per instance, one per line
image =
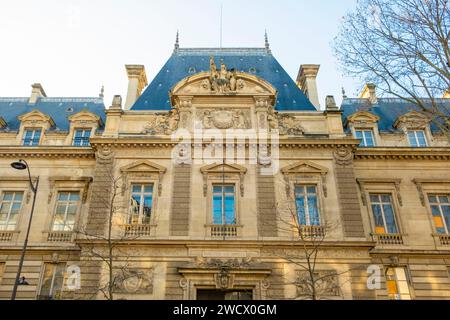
<point x="234" y="295"/>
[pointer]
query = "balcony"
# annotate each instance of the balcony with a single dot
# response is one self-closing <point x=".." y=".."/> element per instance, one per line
<point x="388" y="239"/>
<point x="6" y="236"/>
<point x="59" y="236"/>
<point x="138" y="230"/>
<point x="224" y="231"/>
<point x="442" y="239"/>
<point x="311" y="232"/>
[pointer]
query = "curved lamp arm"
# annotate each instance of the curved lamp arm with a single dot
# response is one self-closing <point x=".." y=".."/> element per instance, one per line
<point x="33" y="187"/>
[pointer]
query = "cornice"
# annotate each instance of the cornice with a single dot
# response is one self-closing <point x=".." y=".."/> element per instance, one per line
<point x="46" y="152"/>
<point x="403" y="153"/>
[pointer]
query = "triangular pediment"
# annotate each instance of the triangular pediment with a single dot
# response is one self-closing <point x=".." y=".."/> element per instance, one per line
<point x="37" y="116"/>
<point x="412" y="118"/>
<point x="143" y="166"/>
<point x="363" y="117"/>
<point x="86" y="116"/>
<point x="304" y="167"/>
<point x="227" y="168"/>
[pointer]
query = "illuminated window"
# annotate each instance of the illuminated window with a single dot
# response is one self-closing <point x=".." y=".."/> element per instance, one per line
<point x="66" y="211"/>
<point x="383" y="213"/>
<point x="440" y="208"/>
<point x="366" y="137"/>
<point x="307" y="205"/>
<point x="417" y="138"/>
<point x="81" y="137"/>
<point x="397" y="284"/>
<point x="141" y="204"/>
<point x="9" y="210"/>
<point x="31" y="137"/>
<point x="52" y="281"/>
<point x="224" y="205"/>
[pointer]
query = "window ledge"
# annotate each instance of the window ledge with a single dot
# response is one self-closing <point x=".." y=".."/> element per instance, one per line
<point x="7" y="236"/>
<point x="59" y="236"/>
<point x="389" y="239"/>
<point x="224" y="231"/>
<point x="311" y="232"/>
<point x="138" y="230"/>
<point x="443" y="239"/>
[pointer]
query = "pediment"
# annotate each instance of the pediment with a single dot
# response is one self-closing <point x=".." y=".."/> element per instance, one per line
<point x="227" y="168"/>
<point x="143" y="166"/>
<point x="242" y="84"/>
<point x="363" y="117"/>
<point x="85" y="116"/>
<point x="413" y="118"/>
<point x="305" y="167"/>
<point x="36" y="116"/>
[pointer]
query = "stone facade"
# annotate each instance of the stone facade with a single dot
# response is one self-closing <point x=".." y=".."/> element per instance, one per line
<point x="180" y="250"/>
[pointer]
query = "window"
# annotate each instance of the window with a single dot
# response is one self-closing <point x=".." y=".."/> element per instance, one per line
<point x="31" y="137"/>
<point x="417" y="138"/>
<point x="9" y="210"/>
<point x="66" y="211"/>
<point x="383" y="213"/>
<point x="52" y="281"/>
<point x="440" y="208"/>
<point x="224" y="205"/>
<point x="366" y="137"/>
<point x="307" y="205"/>
<point x="81" y="137"/>
<point x="141" y="204"/>
<point x="397" y="284"/>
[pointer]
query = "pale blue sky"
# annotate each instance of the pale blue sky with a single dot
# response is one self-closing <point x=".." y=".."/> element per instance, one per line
<point x="74" y="47"/>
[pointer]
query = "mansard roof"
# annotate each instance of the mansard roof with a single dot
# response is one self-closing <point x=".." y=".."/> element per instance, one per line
<point x="59" y="109"/>
<point x="388" y="109"/>
<point x="257" y="61"/>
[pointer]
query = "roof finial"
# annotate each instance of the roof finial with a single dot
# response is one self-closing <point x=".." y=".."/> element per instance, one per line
<point x="102" y="92"/>
<point x="266" y="38"/>
<point x="344" y="94"/>
<point x="177" y="41"/>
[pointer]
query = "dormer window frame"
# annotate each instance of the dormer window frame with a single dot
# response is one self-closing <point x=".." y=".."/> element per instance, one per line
<point x="83" y="120"/>
<point x="414" y="121"/>
<point x="34" y="120"/>
<point x="365" y="121"/>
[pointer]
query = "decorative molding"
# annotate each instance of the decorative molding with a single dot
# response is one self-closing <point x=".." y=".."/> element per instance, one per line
<point x="225" y="118"/>
<point x="412" y="120"/>
<point x="143" y="169"/>
<point x="289" y="125"/>
<point x="46" y="152"/>
<point x="226" y="169"/>
<point x="85" y="116"/>
<point x="344" y="155"/>
<point x="419" y="185"/>
<point x="134" y="281"/>
<point x="163" y="123"/>
<point x="305" y="167"/>
<point x="362" y="182"/>
<point x="36" y="116"/>
<point x="435" y="153"/>
<point x="362" y="117"/>
<point x="84" y="181"/>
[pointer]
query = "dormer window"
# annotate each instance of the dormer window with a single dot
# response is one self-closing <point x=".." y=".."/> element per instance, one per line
<point x="417" y="139"/>
<point x="81" y="137"/>
<point x="32" y="137"/>
<point x="366" y="137"/>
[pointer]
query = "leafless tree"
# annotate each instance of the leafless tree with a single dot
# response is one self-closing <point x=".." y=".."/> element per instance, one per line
<point x="403" y="47"/>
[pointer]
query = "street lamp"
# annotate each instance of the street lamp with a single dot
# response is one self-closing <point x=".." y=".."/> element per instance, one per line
<point x="23" y="165"/>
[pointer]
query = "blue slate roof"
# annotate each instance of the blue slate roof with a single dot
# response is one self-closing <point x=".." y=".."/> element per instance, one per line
<point x="59" y="109"/>
<point x="257" y="61"/>
<point x="388" y="109"/>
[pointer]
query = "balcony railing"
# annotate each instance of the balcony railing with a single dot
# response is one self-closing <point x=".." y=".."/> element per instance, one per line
<point x="224" y="231"/>
<point x="308" y="232"/>
<point x="389" y="239"/>
<point x="6" y="236"/>
<point x="444" y="239"/>
<point x="59" y="236"/>
<point x="138" y="230"/>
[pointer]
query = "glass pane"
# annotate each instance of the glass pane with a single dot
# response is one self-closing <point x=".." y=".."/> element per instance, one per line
<point x="147" y="209"/>
<point x="58" y="282"/>
<point x="313" y="211"/>
<point x="432" y="199"/>
<point x="374" y="198"/>
<point x="229" y="210"/>
<point x="217" y="189"/>
<point x="63" y="196"/>
<point x="18" y="196"/>
<point x="72" y="209"/>
<point x="421" y="138"/>
<point x="369" y="139"/>
<point x="390" y="219"/>
<point x="136" y="188"/>
<point x="378" y="216"/>
<point x="446" y="212"/>
<point x="299" y="190"/>
<point x="4" y="209"/>
<point x="301" y="210"/>
<point x="135" y="203"/>
<point x="412" y="139"/>
<point x="58" y="223"/>
<point x="443" y="199"/>
<point x="148" y="188"/>
<point x="87" y="133"/>
<point x="229" y="189"/>
<point x="37" y="134"/>
<point x="78" y="133"/>
<point x="8" y="196"/>
<point x="74" y="197"/>
<point x="359" y="135"/>
<point x="435" y="211"/>
<point x="217" y="210"/>
<point x="311" y="190"/>
<point x="61" y="209"/>
<point x="47" y="280"/>
<point x="15" y="208"/>
<point x="386" y="198"/>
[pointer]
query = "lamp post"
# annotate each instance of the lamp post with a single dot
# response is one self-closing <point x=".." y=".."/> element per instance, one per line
<point x="23" y="165"/>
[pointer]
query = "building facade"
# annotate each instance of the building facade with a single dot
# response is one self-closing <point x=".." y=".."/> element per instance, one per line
<point x="220" y="180"/>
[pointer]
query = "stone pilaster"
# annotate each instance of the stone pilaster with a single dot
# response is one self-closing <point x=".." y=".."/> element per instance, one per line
<point x="181" y="201"/>
<point x="267" y="215"/>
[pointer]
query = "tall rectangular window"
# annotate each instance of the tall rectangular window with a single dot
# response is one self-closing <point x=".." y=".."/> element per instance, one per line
<point x="440" y="208"/>
<point x="66" y="211"/>
<point x="224" y="205"/>
<point x="31" y="137"/>
<point x="397" y="284"/>
<point x="141" y="204"/>
<point x="9" y="210"/>
<point x="383" y="213"/>
<point x="417" y="138"/>
<point x="366" y="137"/>
<point x="52" y="281"/>
<point x="81" y="137"/>
<point x="307" y="205"/>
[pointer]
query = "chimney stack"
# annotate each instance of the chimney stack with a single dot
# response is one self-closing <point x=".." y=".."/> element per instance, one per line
<point x="330" y="104"/>
<point x="306" y="81"/>
<point x="137" y="81"/>
<point x="36" y="93"/>
<point x="117" y="102"/>
<point x="369" y="92"/>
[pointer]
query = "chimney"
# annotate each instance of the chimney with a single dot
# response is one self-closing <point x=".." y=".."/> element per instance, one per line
<point x="137" y="81"/>
<point x="306" y="81"/>
<point x="330" y="104"/>
<point x="36" y="93"/>
<point x="117" y="102"/>
<point x="369" y="92"/>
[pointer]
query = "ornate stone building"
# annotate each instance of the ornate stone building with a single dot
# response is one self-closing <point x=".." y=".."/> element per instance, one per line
<point x="216" y="181"/>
